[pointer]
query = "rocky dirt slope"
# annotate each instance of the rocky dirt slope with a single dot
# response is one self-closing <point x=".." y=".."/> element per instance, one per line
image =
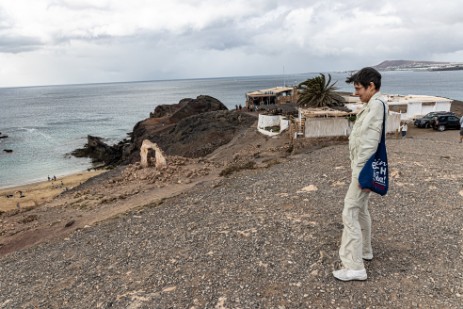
<point x="264" y="238"/>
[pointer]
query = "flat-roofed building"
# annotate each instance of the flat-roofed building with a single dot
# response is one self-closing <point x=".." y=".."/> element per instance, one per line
<point x="408" y="106"/>
<point x="271" y="96"/>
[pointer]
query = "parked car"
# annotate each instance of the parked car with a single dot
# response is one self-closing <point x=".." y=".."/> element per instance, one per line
<point x="444" y="122"/>
<point x="425" y="122"/>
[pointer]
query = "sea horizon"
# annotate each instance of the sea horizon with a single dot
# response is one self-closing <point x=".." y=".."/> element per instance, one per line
<point x="45" y="123"/>
<point x="165" y="80"/>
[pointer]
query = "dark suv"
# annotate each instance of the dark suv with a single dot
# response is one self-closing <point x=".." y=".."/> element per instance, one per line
<point x="444" y="122"/>
<point x="426" y="121"/>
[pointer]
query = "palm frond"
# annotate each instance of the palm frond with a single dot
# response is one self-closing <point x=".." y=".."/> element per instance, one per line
<point x="318" y="92"/>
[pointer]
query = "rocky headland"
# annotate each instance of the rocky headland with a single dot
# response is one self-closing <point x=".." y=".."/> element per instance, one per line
<point x="409" y="65"/>
<point x="192" y="128"/>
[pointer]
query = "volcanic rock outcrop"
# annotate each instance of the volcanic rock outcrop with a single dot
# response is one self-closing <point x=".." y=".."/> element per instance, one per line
<point x="99" y="151"/>
<point x="192" y="128"/>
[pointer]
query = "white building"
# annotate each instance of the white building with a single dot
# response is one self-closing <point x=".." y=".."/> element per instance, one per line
<point x="416" y="106"/>
<point x="408" y="106"/>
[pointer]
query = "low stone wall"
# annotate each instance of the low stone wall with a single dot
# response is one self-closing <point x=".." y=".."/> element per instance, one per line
<point x="329" y="126"/>
<point x="339" y="126"/>
<point x="272" y="121"/>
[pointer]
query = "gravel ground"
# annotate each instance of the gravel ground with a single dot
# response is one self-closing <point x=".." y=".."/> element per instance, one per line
<point x="264" y="238"/>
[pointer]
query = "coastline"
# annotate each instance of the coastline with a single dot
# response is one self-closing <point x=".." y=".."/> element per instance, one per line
<point x="110" y="118"/>
<point x="38" y="193"/>
<point x="35" y="180"/>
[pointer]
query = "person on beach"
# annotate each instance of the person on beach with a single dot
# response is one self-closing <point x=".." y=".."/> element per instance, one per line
<point x="363" y="142"/>
<point x="404" y="129"/>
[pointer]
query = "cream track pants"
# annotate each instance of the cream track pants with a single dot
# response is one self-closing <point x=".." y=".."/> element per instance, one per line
<point x="356" y="236"/>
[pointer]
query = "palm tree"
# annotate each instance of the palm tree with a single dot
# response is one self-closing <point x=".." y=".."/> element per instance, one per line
<point x="318" y="92"/>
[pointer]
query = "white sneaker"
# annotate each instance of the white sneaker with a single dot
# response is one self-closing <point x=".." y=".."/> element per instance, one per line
<point x="346" y="274"/>
<point x="368" y="257"/>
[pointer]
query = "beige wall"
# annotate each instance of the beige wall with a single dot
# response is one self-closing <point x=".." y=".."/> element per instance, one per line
<point x="340" y="126"/>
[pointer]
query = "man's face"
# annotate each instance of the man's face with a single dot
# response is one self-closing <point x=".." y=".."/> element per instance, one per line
<point x="365" y="94"/>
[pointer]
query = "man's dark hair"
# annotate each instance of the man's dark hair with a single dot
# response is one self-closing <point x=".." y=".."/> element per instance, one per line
<point x="366" y="76"/>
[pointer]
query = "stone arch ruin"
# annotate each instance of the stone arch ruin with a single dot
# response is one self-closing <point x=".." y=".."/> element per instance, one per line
<point x="160" y="157"/>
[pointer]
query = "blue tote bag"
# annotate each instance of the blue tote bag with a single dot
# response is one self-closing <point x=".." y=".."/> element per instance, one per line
<point x="375" y="174"/>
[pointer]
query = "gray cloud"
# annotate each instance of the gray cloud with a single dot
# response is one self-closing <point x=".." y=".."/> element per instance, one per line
<point x="17" y="45"/>
<point x="117" y="40"/>
<point x="80" y="5"/>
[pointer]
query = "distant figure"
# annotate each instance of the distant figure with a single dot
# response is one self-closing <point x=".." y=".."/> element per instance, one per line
<point x="236" y="106"/>
<point x="49" y="178"/>
<point x="240" y="107"/>
<point x="404" y="129"/>
<point x="54" y="178"/>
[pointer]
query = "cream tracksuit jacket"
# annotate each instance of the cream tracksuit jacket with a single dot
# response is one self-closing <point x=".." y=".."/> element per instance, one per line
<point x="363" y="142"/>
<point x="366" y="133"/>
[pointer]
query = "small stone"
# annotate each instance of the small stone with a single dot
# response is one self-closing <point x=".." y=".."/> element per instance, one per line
<point x="70" y="223"/>
<point x="309" y="188"/>
<point x="169" y="289"/>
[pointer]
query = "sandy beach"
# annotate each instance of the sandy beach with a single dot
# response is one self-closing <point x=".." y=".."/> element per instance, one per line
<point x="36" y="194"/>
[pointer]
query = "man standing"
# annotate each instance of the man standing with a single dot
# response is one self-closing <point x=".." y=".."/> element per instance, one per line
<point x="404" y="129"/>
<point x="363" y="142"/>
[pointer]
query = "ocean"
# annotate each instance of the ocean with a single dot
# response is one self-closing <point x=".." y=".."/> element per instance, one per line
<point x="45" y="124"/>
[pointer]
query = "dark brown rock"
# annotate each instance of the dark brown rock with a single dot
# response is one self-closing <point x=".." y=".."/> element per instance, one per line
<point x="193" y="136"/>
<point x="167" y="109"/>
<point x="170" y="124"/>
<point x="99" y="151"/>
<point x="70" y="223"/>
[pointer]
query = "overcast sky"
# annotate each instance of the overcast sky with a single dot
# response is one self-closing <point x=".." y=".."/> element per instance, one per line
<point x="45" y="42"/>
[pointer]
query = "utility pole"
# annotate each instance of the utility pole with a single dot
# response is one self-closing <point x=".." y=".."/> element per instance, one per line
<point x="284" y="78"/>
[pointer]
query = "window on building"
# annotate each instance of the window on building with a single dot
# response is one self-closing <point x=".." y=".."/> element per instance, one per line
<point x="398" y="108"/>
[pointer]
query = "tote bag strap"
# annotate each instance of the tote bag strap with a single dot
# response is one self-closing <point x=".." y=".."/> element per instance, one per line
<point x="383" y="135"/>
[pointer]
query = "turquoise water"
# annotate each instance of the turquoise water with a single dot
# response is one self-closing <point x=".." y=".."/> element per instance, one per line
<point x="44" y="124"/>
